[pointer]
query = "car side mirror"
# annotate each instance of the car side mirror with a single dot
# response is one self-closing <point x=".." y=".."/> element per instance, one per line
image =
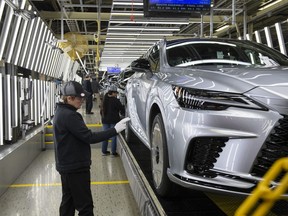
<point x="141" y="64"/>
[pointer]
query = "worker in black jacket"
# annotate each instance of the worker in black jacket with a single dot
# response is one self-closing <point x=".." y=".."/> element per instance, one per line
<point x="72" y="141"/>
<point x="89" y="96"/>
<point x="110" y="112"/>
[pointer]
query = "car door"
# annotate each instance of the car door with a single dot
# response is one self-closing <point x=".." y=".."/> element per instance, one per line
<point x="145" y="81"/>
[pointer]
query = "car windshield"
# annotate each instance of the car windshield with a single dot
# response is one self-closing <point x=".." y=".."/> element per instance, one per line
<point x="206" y="53"/>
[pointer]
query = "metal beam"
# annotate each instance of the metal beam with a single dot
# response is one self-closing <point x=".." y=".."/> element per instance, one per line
<point x="89" y="37"/>
<point x="282" y="5"/>
<point x="87" y="16"/>
<point x="207" y="19"/>
<point x="250" y="19"/>
<point x="95" y="46"/>
<point x="92" y="16"/>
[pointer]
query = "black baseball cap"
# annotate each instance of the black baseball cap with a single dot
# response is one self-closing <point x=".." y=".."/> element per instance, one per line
<point x="73" y="88"/>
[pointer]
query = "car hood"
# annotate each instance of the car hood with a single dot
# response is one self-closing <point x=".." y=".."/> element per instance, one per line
<point x="237" y="80"/>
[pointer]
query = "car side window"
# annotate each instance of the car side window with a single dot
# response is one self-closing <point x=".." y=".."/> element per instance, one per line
<point x="154" y="59"/>
<point x="180" y="55"/>
<point x="216" y="51"/>
<point x="258" y="58"/>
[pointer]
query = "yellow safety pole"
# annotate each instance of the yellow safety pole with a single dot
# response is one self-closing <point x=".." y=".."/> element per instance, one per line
<point x="263" y="193"/>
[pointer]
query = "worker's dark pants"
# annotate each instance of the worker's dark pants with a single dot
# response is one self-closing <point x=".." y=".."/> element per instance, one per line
<point x="89" y="103"/>
<point x="76" y="194"/>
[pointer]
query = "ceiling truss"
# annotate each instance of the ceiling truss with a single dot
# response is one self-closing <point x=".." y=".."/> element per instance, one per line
<point x="117" y="32"/>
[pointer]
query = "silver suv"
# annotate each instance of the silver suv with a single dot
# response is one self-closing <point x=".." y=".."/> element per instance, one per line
<point x="213" y="112"/>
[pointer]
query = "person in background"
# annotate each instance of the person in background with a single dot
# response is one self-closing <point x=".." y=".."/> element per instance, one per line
<point x="110" y="110"/>
<point x="72" y="141"/>
<point x="89" y="98"/>
<point x="95" y="89"/>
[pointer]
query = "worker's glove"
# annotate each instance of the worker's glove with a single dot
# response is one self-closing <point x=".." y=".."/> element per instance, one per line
<point x="121" y="125"/>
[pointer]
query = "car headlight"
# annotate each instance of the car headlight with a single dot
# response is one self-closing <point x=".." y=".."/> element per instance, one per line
<point x="212" y="100"/>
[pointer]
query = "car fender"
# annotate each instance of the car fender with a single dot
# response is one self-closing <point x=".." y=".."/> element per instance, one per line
<point x="157" y="106"/>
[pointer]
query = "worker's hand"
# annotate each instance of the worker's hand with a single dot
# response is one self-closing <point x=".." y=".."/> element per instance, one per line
<point x="121" y="125"/>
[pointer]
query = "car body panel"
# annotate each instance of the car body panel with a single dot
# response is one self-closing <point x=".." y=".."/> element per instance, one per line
<point x="247" y="129"/>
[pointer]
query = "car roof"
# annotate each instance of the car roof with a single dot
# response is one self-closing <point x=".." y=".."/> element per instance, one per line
<point x="178" y="41"/>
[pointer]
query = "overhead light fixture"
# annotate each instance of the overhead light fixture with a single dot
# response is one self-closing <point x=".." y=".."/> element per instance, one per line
<point x="269" y="5"/>
<point x="129" y="13"/>
<point x="120" y="46"/>
<point x="117" y="49"/>
<point x="112" y="52"/>
<point x="132" y="28"/>
<point x="222" y="28"/>
<point x="127" y="3"/>
<point x="120" y="57"/>
<point x="123" y="55"/>
<point x="130" y="42"/>
<point x="171" y="22"/>
<point x="139" y="34"/>
<point x="133" y="38"/>
<point x="123" y="50"/>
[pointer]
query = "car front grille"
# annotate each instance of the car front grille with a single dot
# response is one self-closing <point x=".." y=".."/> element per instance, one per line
<point x="275" y="147"/>
<point x="202" y="155"/>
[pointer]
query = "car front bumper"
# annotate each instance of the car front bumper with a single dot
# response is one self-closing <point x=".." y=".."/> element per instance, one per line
<point x="245" y="132"/>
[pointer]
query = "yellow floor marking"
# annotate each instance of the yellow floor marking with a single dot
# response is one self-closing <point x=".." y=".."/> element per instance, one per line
<point x="34" y="185"/>
<point x="49" y="135"/>
<point x="59" y="184"/>
<point x="94" y="125"/>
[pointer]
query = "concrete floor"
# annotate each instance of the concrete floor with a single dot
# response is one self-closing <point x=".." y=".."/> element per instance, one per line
<point x="37" y="192"/>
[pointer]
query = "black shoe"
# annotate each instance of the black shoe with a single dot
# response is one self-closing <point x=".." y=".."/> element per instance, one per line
<point x="89" y="113"/>
<point x="105" y="153"/>
<point x="115" y="154"/>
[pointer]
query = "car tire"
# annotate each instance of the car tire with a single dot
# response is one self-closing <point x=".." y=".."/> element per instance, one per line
<point x="159" y="159"/>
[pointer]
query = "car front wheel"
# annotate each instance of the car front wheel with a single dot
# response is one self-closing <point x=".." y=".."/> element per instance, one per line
<point x="159" y="157"/>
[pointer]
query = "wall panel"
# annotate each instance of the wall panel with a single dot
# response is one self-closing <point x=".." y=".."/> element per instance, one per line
<point x="5" y="31"/>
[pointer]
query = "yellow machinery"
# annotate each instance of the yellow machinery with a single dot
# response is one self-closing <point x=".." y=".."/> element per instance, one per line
<point x="76" y="44"/>
<point x="263" y="198"/>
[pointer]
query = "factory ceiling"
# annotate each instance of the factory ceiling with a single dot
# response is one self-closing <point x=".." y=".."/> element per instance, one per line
<point x="117" y="32"/>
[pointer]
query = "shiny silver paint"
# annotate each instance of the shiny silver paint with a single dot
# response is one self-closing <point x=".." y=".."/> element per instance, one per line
<point x="247" y="129"/>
